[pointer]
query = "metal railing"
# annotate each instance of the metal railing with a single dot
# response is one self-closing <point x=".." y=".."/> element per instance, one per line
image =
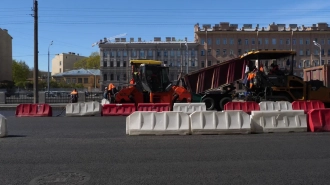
<point x="94" y="96"/>
<point x="19" y="98"/>
<point x="57" y="97"/>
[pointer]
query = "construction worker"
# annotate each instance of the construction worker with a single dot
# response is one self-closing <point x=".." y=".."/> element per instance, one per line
<point x="251" y="77"/>
<point x="261" y="69"/>
<point x="74" y="96"/>
<point x="111" y="91"/>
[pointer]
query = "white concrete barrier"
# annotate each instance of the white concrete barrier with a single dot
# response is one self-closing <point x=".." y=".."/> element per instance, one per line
<point x="278" y="105"/>
<point x="157" y="123"/>
<point x="225" y="122"/>
<point x="3" y="126"/>
<point x="189" y="107"/>
<point x="278" y="121"/>
<point x="83" y="109"/>
<point x="105" y="101"/>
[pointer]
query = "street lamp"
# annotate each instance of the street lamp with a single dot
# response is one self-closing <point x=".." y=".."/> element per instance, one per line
<point x="318" y="45"/>
<point x="51" y="43"/>
<point x="187" y="55"/>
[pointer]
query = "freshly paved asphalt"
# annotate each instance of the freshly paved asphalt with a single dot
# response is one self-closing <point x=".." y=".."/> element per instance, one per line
<point x="98" y="148"/>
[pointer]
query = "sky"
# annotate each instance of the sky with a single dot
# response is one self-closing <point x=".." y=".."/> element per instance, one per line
<point x="74" y="25"/>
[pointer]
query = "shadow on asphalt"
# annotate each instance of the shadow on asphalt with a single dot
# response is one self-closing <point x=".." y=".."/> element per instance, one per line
<point x="15" y="136"/>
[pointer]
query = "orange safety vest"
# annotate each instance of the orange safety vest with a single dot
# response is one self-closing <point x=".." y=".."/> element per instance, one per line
<point x="74" y="92"/>
<point x="250" y="78"/>
<point x="132" y="81"/>
<point x="111" y="86"/>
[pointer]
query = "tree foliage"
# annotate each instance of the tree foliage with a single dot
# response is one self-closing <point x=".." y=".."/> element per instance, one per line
<point x="92" y="62"/>
<point x="20" y="72"/>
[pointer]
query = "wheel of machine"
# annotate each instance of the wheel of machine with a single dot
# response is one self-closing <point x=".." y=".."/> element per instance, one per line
<point x="209" y="103"/>
<point x="223" y="102"/>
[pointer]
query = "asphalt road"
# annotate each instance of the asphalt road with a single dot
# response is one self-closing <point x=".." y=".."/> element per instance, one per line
<point x="95" y="150"/>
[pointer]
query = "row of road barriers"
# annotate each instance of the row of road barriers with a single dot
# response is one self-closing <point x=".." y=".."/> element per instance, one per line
<point x="265" y="117"/>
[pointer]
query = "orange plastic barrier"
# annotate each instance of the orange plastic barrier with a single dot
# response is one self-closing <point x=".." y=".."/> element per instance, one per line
<point x="159" y="107"/>
<point x="319" y="120"/>
<point x="118" y="109"/>
<point x="307" y="105"/>
<point x="247" y="106"/>
<point x="34" y="110"/>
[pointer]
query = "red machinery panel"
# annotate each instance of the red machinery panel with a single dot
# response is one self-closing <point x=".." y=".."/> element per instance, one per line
<point x="307" y="105"/>
<point x="319" y="120"/>
<point x="159" y="107"/>
<point x="215" y="76"/>
<point x="118" y="109"/>
<point x="34" y="110"/>
<point x="244" y="106"/>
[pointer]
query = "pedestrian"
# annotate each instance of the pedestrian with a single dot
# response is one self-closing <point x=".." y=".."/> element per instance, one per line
<point x="74" y="96"/>
<point x="106" y="93"/>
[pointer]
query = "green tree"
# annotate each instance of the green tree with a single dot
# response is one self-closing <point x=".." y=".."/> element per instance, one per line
<point x="92" y="62"/>
<point x="20" y="72"/>
<point x="54" y="84"/>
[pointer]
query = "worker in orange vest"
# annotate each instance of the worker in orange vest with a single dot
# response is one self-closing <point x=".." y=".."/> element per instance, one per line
<point x="112" y="90"/>
<point x="251" y="77"/>
<point x="74" y="96"/>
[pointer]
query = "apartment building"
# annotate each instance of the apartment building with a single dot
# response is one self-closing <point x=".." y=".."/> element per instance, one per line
<point x="64" y="62"/>
<point x="6" y="57"/>
<point x="224" y="41"/>
<point x="115" y="57"/>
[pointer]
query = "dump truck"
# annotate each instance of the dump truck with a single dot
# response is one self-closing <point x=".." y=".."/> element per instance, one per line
<point x="218" y="84"/>
<point x="321" y="73"/>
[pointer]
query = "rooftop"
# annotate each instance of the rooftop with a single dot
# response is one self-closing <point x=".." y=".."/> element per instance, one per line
<point x="79" y="72"/>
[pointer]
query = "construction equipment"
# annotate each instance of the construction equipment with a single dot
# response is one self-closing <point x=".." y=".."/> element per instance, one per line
<point x="150" y="84"/>
<point x="219" y="83"/>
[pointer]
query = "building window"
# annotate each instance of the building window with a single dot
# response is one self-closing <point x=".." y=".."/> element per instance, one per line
<point x="281" y="41"/>
<point x="209" y="63"/>
<point x="73" y="80"/>
<point x="60" y="62"/>
<point x="158" y="53"/>
<point x="239" y="52"/>
<point x="165" y="54"/>
<point x="85" y="80"/>
<point x="231" y="41"/>
<point x="125" y="53"/>
<point x="124" y="77"/>
<point x="329" y="41"/>
<point x="111" y="63"/>
<point x="118" y="64"/>
<point x="118" y="53"/>
<point x="172" y="53"/>
<point x="68" y="80"/>
<point x="246" y="41"/>
<point x="259" y="41"/>
<point x="307" y="41"/>
<point x="178" y="53"/>
<point x="239" y="41"/>
<point x="225" y="41"/>
<point x="79" y="80"/>
<point x="294" y="41"/>
<point x="202" y="41"/>
<point x="202" y="64"/>
<point x="112" y="53"/>
<point x="266" y="41"/>
<point x="60" y="70"/>
<point x="274" y="41"/>
<point x="287" y="42"/>
<point x="217" y="41"/>
<point x="105" y="63"/>
<point x="133" y="53"/>
<point x="111" y="76"/>
<point x="322" y="62"/>
<point x="307" y="64"/>
<point x="118" y="77"/>
<point x="202" y="53"/>
<point x="165" y="62"/>
<point x="104" y="53"/>
<point x="218" y="52"/>
<point x="328" y="52"/>
<point x="300" y="64"/>
<point x="193" y="63"/>
<point x="192" y="53"/>
<point x="124" y="64"/>
<point x="301" y="52"/>
<point x="253" y="42"/>
<point x="208" y="52"/>
<point x="209" y="41"/>
<point x="322" y="52"/>
<point x="141" y="53"/>
<point x="231" y="52"/>
<point x="308" y="52"/>
<point x="224" y="51"/>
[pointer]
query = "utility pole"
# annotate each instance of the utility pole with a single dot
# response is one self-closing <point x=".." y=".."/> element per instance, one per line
<point x="35" y="70"/>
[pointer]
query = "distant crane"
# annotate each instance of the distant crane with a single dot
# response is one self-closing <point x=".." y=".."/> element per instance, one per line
<point x="105" y="40"/>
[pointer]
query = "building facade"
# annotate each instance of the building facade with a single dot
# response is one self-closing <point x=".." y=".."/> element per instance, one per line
<point x="115" y="57"/>
<point x="64" y="62"/>
<point x="89" y="78"/>
<point x="6" y="57"/>
<point x="224" y="41"/>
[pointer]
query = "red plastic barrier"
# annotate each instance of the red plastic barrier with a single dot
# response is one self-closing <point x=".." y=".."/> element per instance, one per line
<point x="319" y="120"/>
<point x="246" y="106"/>
<point x="34" y="110"/>
<point x="159" y="107"/>
<point x="307" y="105"/>
<point x="118" y="109"/>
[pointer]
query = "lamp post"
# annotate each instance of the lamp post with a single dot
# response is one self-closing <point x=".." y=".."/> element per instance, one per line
<point x="187" y="60"/>
<point x="51" y="43"/>
<point x="318" y="45"/>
